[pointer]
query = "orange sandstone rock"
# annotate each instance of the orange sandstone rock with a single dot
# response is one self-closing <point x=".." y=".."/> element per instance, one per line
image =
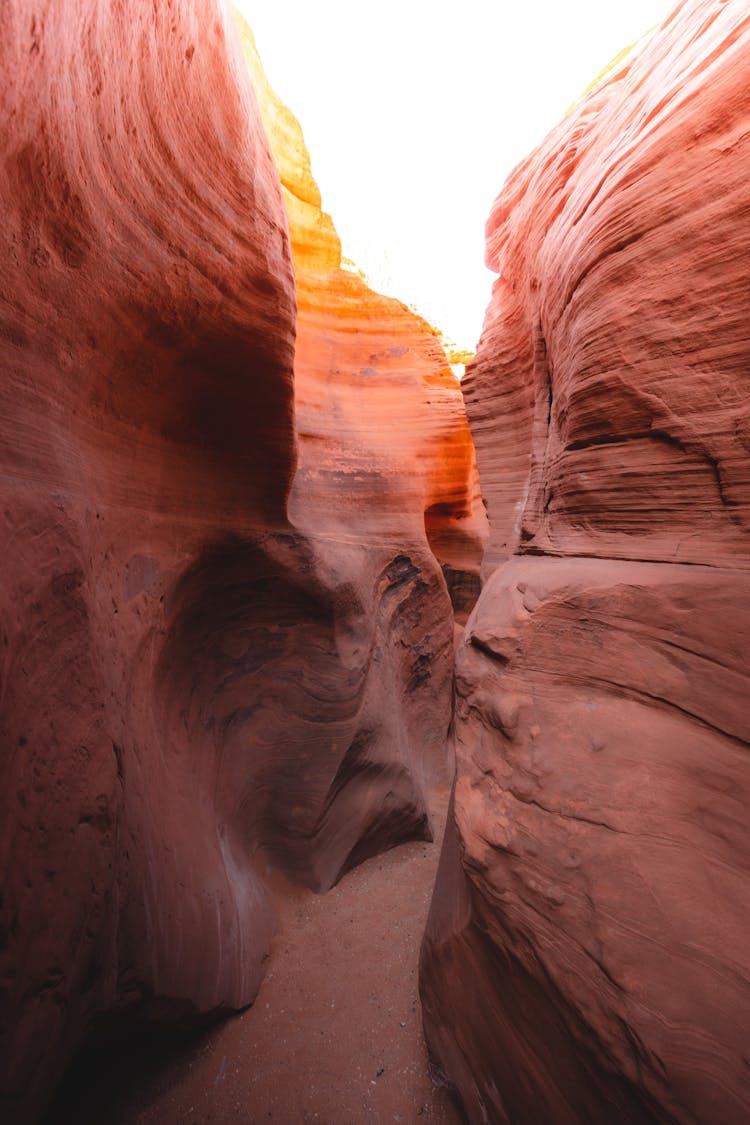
<point x="587" y="957"/>
<point x="385" y="449"/>
<point x="192" y="687"/>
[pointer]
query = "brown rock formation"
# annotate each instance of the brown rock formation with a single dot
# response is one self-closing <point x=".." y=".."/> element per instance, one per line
<point x="192" y="687"/>
<point x="586" y="958"/>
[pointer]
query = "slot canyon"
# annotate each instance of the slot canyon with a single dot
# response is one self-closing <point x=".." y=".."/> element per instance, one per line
<point x="374" y="744"/>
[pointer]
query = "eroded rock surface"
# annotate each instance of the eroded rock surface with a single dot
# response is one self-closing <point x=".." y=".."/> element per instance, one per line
<point x="385" y="450"/>
<point x="608" y="401"/>
<point x="586" y="958"/>
<point x="193" y="687"/>
<point x="147" y="351"/>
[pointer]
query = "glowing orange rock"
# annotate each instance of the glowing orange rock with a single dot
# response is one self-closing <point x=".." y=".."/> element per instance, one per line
<point x="385" y="449"/>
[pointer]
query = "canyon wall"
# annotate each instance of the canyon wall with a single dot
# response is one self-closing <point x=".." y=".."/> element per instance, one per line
<point x="194" y="686"/>
<point x="385" y="452"/>
<point x="147" y="451"/>
<point x="586" y="958"/>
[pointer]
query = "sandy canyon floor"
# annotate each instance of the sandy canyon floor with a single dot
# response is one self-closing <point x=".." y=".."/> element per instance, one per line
<point x="335" y="1035"/>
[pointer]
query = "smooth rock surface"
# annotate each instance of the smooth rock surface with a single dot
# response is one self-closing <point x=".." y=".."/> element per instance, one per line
<point x="385" y="449"/>
<point x="146" y="345"/>
<point x="194" y="689"/>
<point x="608" y="401"/>
<point x="586" y="957"/>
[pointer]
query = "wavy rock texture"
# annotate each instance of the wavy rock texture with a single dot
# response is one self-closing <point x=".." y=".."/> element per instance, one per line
<point x="385" y="449"/>
<point x="586" y="958"/>
<point x="146" y="408"/>
<point x="377" y="451"/>
<point x="192" y="688"/>
<point x="608" y="400"/>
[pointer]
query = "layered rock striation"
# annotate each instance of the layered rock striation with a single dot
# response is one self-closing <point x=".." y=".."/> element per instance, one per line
<point x="384" y="446"/>
<point x="147" y="347"/>
<point x="586" y="957"/>
<point x="607" y="399"/>
<point x="193" y="685"/>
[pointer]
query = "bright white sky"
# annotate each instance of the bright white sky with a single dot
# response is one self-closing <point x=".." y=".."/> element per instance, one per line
<point x="415" y="111"/>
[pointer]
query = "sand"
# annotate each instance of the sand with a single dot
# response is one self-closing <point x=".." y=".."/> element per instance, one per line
<point x="335" y="1035"/>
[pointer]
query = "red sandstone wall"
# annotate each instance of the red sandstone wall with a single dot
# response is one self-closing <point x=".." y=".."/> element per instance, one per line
<point x="587" y="956"/>
<point x="385" y="448"/>
<point x="191" y="686"/>
<point x="606" y="400"/>
<point x="146" y="344"/>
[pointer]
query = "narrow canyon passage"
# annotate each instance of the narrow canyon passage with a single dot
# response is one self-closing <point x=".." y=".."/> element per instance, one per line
<point x="271" y="578"/>
<point x="334" y="1036"/>
<point x="234" y="478"/>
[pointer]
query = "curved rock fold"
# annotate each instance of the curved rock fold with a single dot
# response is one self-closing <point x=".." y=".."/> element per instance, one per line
<point x="194" y="687"/>
<point x="586" y="956"/>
